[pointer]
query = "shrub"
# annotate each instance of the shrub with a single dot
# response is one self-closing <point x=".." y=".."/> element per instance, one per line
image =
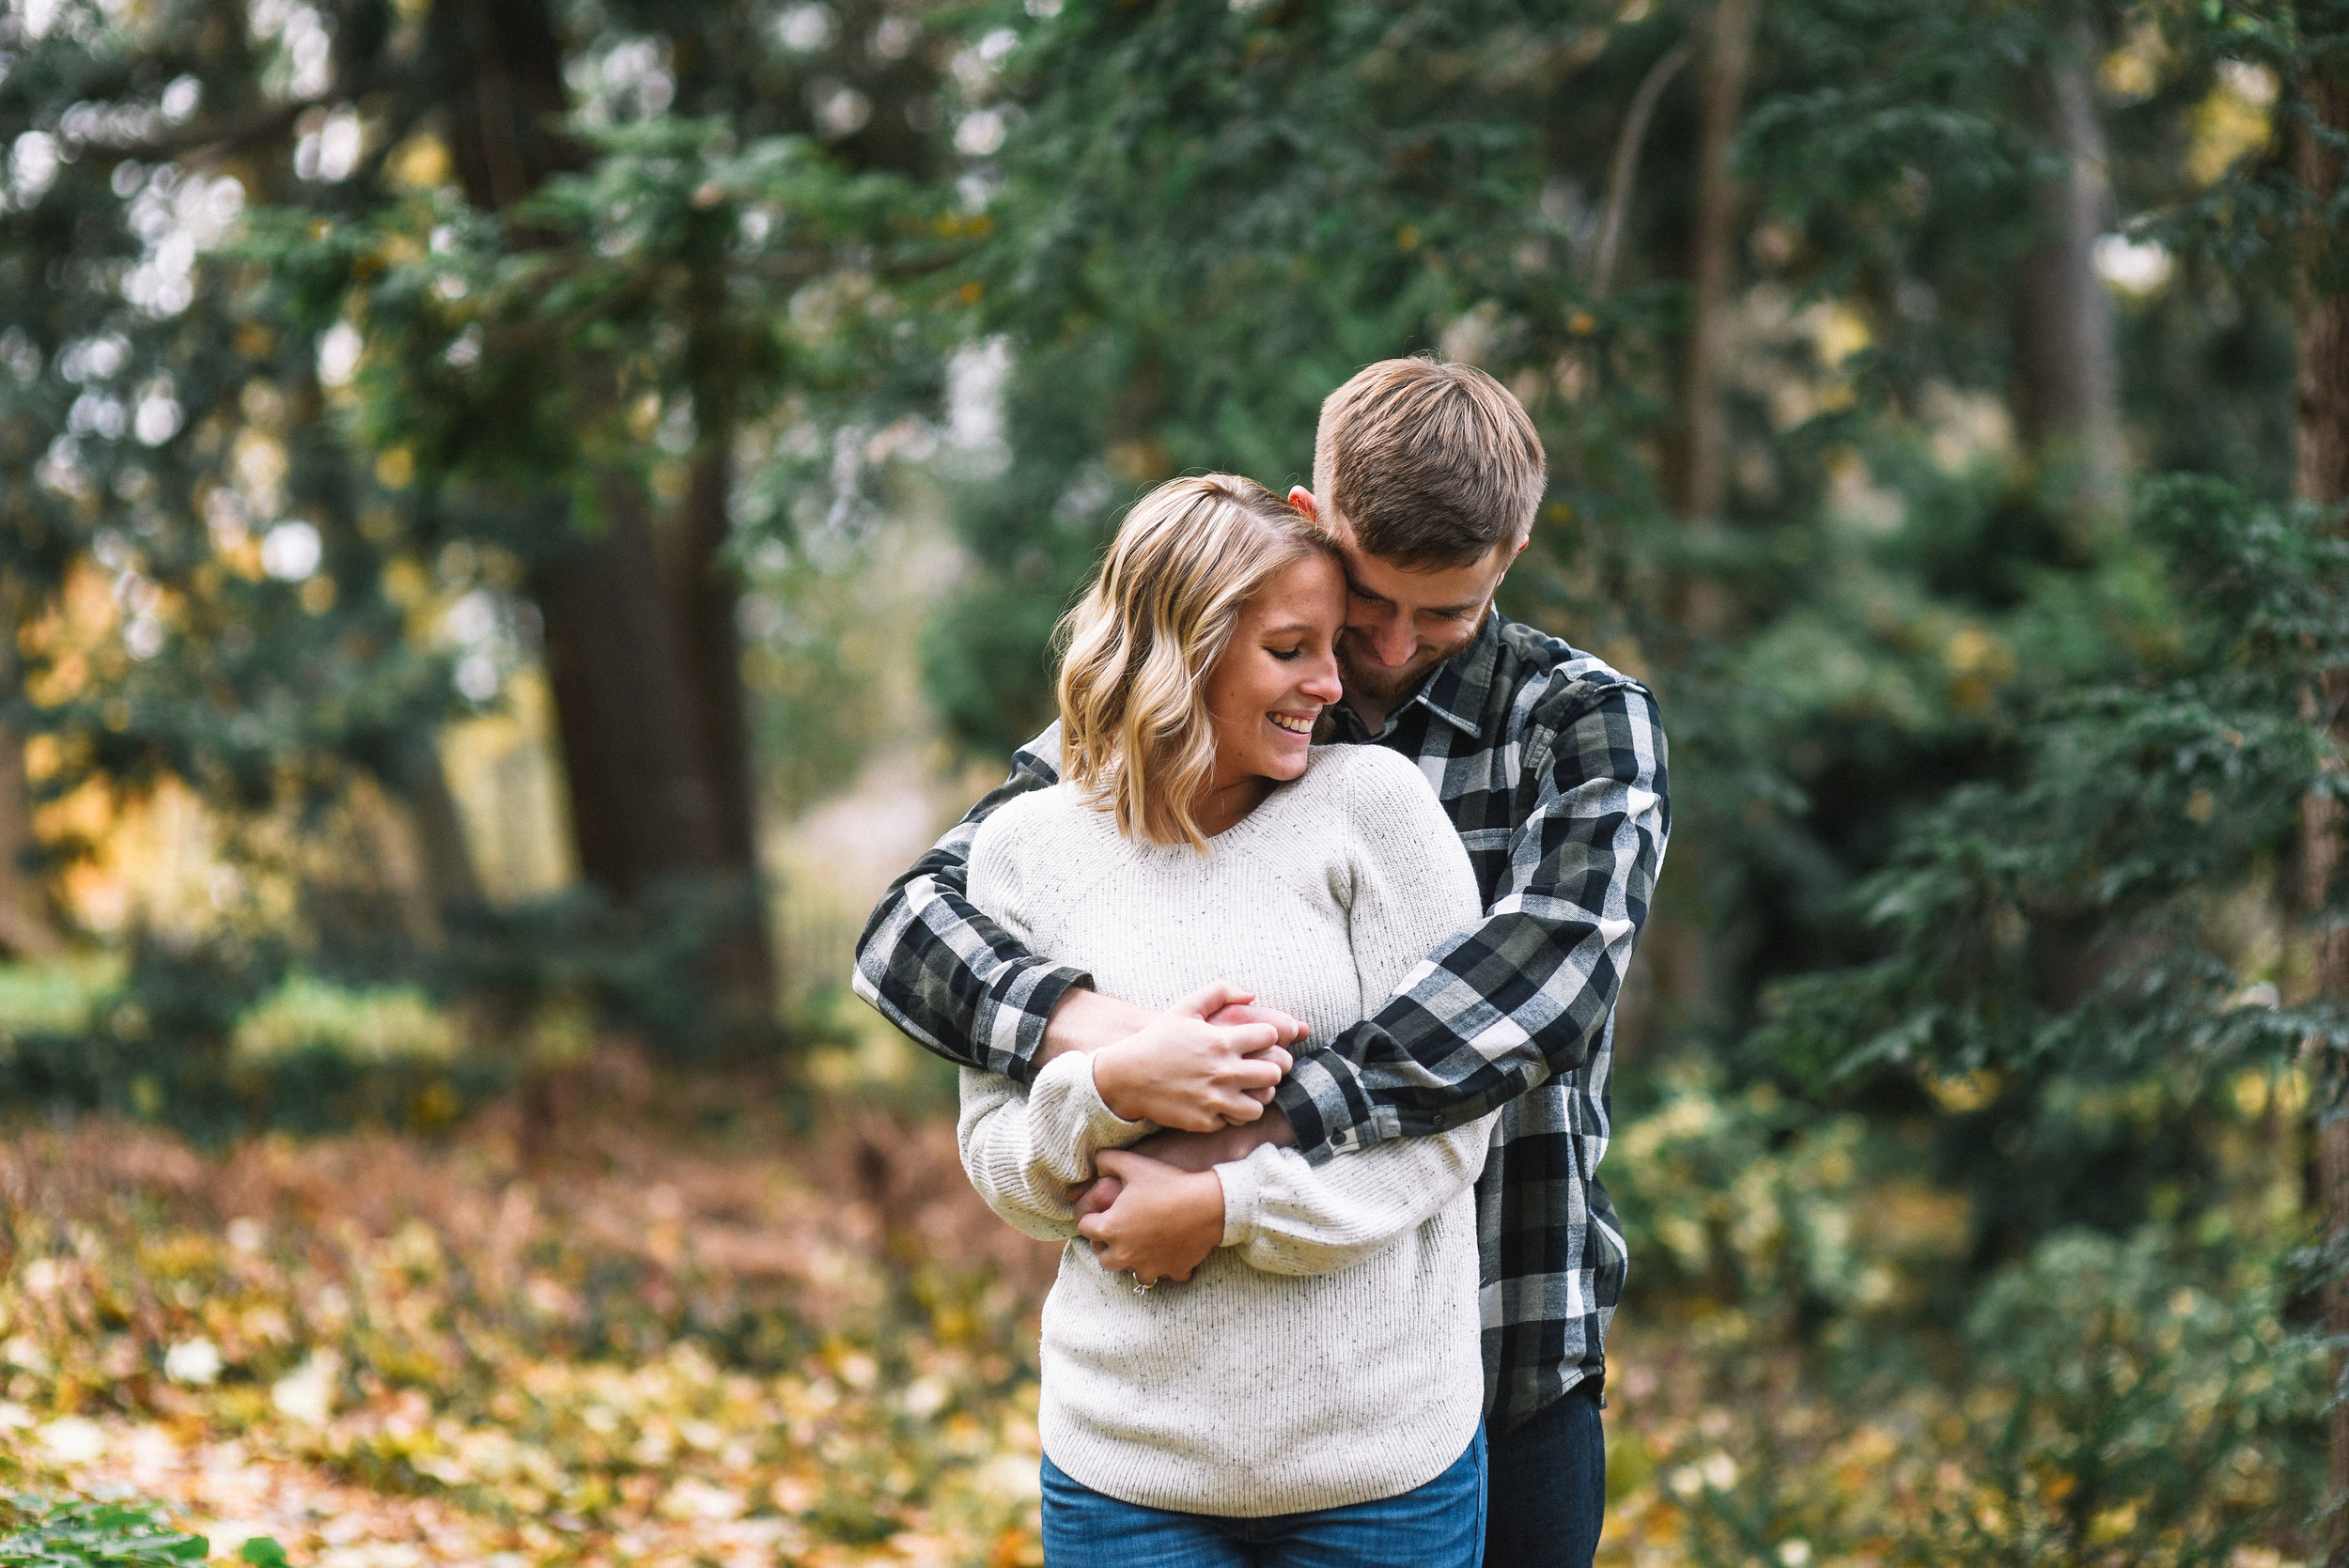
<point x="70" y="1535"/>
<point x="379" y="1027"/>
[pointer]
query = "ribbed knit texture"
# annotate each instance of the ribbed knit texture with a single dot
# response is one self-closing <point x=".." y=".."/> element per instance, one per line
<point x="1328" y="1353"/>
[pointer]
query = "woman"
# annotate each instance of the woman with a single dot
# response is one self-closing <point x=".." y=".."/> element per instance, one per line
<point x="1311" y="1393"/>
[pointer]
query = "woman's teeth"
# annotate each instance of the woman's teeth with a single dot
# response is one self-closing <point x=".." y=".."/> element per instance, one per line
<point x="1294" y="726"/>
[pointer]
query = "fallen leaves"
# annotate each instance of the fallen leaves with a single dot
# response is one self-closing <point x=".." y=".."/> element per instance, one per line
<point x="383" y="1353"/>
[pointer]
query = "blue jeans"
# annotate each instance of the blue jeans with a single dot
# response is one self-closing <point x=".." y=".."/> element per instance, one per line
<point x="1549" y="1487"/>
<point x="1440" y="1525"/>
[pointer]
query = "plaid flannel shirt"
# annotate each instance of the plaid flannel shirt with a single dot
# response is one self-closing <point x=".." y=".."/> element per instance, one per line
<point x="1552" y="767"/>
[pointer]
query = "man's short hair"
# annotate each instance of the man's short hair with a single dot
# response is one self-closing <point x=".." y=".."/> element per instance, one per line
<point x="1431" y="465"/>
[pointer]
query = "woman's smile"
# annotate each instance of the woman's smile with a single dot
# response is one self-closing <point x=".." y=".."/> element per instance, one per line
<point x="1282" y="666"/>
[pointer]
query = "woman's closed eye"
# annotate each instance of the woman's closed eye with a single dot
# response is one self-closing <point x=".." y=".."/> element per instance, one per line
<point x="1285" y="655"/>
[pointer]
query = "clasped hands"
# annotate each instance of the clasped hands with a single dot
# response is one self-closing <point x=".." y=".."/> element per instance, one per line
<point x="1205" y="1070"/>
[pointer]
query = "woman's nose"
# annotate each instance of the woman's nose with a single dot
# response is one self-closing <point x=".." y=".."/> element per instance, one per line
<point x="1322" y="685"/>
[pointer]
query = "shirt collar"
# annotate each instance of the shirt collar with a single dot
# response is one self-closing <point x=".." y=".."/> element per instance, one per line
<point x="1455" y="691"/>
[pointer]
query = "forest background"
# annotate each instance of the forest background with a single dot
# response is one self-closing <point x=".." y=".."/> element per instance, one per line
<point x="519" y="515"/>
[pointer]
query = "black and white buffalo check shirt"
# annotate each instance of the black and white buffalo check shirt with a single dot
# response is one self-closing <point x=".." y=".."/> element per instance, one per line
<point x="1552" y="767"/>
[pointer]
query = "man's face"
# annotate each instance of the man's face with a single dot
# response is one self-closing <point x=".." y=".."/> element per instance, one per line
<point x="1402" y="623"/>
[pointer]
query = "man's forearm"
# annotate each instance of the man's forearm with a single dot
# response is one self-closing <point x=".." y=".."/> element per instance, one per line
<point x="1086" y="1020"/>
<point x="1203" y="1151"/>
<point x="1195" y="1152"/>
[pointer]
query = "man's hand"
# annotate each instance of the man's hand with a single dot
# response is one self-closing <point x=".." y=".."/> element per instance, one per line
<point x="1182" y="1071"/>
<point x="1188" y="1151"/>
<point x="1086" y="1020"/>
<point x="1164" y="1223"/>
<point x="1292" y="1031"/>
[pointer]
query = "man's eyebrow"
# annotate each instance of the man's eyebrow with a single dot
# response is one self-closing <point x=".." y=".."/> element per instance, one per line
<point x="1354" y="586"/>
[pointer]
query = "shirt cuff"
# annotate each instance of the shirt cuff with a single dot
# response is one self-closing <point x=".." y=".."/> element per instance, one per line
<point x="1330" y="1111"/>
<point x="1008" y="1026"/>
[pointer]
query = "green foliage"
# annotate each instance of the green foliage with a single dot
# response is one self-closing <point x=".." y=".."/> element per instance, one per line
<point x="580" y="960"/>
<point x="500" y="350"/>
<point x="1357" y="175"/>
<point x="2070" y="915"/>
<point x="2125" y="1404"/>
<point x="74" y="1534"/>
<point x="377" y="1026"/>
<point x="57" y="998"/>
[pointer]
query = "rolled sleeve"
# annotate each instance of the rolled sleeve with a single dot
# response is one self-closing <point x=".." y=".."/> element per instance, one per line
<point x="939" y="970"/>
<point x="1523" y="995"/>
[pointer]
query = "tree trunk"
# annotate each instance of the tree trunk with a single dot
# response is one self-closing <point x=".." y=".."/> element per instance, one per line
<point x="641" y="653"/>
<point x="422" y="788"/>
<point x="1721" y="92"/>
<point x="643" y="801"/>
<point x="2067" y="383"/>
<point x="27" y="928"/>
<point x="707" y="596"/>
<point x="1624" y="168"/>
<point x="2322" y="475"/>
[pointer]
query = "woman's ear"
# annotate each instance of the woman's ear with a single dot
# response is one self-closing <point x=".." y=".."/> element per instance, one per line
<point x="1303" y="499"/>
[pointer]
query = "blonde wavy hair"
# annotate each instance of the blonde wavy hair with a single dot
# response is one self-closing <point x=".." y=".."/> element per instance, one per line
<point x="1135" y="736"/>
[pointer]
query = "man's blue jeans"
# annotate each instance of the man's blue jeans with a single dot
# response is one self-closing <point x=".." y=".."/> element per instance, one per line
<point x="1441" y="1524"/>
<point x="1548" y="1482"/>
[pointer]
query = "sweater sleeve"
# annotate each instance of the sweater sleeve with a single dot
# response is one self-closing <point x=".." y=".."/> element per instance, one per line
<point x="1024" y="1148"/>
<point x="1408" y="885"/>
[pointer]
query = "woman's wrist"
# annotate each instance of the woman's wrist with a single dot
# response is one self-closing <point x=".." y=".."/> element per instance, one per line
<point x="1120" y="1078"/>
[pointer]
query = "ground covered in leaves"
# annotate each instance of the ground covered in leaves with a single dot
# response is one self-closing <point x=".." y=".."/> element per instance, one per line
<point x="659" y="1324"/>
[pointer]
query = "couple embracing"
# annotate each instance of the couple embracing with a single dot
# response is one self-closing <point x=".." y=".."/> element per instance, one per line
<point x="1281" y="974"/>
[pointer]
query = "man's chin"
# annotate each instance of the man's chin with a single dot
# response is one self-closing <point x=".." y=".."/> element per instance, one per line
<point x="1383" y="685"/>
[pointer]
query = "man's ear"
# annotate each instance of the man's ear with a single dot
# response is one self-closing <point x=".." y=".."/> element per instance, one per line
<point x="1520" y="550"/>
<point x="1303" y="499"/>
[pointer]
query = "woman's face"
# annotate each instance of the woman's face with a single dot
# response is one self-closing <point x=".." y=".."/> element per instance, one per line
<point x="1278" y="672"/>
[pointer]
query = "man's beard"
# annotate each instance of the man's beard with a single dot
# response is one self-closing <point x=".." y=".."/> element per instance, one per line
<point x="1387" y="687"/>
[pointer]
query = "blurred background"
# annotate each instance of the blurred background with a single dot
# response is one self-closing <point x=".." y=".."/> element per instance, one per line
<point x="519" y="517"/>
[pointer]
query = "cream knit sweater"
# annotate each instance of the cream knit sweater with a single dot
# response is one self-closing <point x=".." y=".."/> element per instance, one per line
<point x="1328" y="1353"/>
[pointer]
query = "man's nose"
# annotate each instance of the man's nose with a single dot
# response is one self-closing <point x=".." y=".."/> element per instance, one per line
<point x="1392" y="641"/>
<point x="1388" y="636"/>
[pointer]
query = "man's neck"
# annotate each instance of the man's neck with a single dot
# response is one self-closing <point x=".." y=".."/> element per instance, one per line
<point x="1370" y="711"/>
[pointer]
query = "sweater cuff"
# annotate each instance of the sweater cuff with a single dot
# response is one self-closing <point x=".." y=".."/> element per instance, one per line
<point x="1109" y="1130"/>
<point x="1243" y="1192"/>
<point x="1066" y="1099"/>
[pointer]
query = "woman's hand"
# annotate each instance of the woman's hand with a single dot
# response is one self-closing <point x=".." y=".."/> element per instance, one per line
<point x="1164" y="1223"/>
<point x="1183" y="1071"/>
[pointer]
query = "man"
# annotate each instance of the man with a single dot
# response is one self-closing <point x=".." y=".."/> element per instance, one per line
<point x="1552" y="769"/>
